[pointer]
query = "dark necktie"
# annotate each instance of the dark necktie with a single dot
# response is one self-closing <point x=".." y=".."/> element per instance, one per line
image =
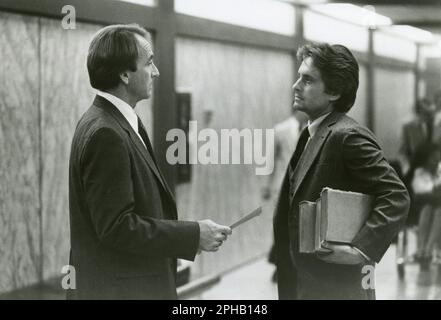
<point x="303" y="139"/>
<point x="143" y="133"/>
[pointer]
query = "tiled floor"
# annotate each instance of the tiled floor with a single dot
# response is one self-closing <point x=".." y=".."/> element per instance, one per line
<point x="253" y="282"/>
<point x="416" y="285"/>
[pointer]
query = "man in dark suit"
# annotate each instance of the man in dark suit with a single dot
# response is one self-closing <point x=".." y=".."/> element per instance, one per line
<point x="334" y="151"/>
<point x="125" y="237"/>
<point x="417" y="132"/>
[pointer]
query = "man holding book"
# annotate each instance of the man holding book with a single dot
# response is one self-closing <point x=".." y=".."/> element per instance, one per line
<point x="334" y="151"/>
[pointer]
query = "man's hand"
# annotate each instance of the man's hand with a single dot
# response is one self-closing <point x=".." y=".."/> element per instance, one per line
<point x="342" y="254"/>
<point x="212" y="235"/>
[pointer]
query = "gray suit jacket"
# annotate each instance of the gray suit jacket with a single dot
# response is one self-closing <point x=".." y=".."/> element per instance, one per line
<point x="346" y="156"/>
<point x="124" y="235"/>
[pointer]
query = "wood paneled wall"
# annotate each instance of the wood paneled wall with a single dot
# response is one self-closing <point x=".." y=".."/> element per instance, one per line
<point x="45" y="89"/>
<point x="20" y="220"/>
<point x="65" y="95"/>
<point x="394" y="104"/>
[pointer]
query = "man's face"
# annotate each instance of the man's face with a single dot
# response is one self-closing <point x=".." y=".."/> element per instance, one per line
<point x="141" y="81"/>
<point x="309" y="91"/>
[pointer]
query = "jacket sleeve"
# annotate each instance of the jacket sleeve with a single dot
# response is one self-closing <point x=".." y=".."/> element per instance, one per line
<point x="372" y="174"/>
<point x="106" y="178"/>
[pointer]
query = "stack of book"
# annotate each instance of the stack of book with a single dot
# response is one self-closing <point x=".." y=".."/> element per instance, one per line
<point x="337" y="216"/>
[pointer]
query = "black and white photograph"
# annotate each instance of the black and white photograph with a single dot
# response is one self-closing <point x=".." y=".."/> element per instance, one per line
<point x="237" y="152"/>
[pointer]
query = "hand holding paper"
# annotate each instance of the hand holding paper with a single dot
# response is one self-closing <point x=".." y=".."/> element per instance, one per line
<point x="212" y="235"/>
<point x="253" y="214"/>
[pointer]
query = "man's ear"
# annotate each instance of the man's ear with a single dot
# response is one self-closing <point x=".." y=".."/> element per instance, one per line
<point x="124" y="76"/>
<point x="334" y="97"/>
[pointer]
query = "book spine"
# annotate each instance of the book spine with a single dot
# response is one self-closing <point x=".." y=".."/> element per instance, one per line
<point x="318" y="212"/>
<point x="324" y="216"/>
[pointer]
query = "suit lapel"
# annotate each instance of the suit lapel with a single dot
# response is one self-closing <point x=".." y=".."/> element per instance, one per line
<point x="114" y="112"/>
<point x="149" y="158"/>
<point x="313" y="149"/>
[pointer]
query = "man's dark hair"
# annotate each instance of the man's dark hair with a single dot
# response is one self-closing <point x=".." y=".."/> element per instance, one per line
<point x="113" y="49"/>
<point x="339" y="71"/>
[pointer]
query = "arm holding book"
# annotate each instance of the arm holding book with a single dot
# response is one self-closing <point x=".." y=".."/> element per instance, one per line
<point x="372" y="174"/>
<point x="343" y="254"/>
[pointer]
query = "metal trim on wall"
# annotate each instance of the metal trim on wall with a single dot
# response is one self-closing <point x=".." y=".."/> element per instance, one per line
<point x="164" y="107"/>
<point x="96" y="11"/>
<point x="189" y="26"/>
<point x="109" y="11"/>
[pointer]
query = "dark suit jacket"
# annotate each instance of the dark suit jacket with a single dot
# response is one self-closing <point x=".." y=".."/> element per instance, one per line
<point x="414" y="135"/>
<point x="124" y="235"/>
<point x="341" y="155"/>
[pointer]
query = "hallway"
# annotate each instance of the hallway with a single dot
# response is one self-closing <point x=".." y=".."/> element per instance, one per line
<point x="253" y="282"/>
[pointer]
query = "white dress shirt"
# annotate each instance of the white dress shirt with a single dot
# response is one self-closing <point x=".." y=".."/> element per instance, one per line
<point x="313" y="126"/>
<point x="126" y="110"/>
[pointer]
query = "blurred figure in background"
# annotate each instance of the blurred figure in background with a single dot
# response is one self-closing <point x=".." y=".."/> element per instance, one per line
<point x="426" y="186"/>
<point x="437" y="139"/>
<point x="416" y="132"/>
<point x="286" y="134"/>
<point x="437" y="119"/>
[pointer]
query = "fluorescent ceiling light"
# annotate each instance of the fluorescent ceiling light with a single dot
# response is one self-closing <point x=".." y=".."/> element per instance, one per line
<point x="352" y="13"/>
<point x="268" y="15"/>
<point x="306" y="2"/>
<point x="411" y="33"/>
<point x="431" y="51"/>
<point x="151" y="3"/>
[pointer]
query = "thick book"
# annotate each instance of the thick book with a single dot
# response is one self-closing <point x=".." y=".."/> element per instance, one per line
<point x="343" y="214"/>
<point x="320" y="228"/>
<point x="337" y="216"/>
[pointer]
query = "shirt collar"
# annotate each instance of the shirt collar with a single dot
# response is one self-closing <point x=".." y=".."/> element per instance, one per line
<point x="123" y="107"/>
<point x="313" y="126"/>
